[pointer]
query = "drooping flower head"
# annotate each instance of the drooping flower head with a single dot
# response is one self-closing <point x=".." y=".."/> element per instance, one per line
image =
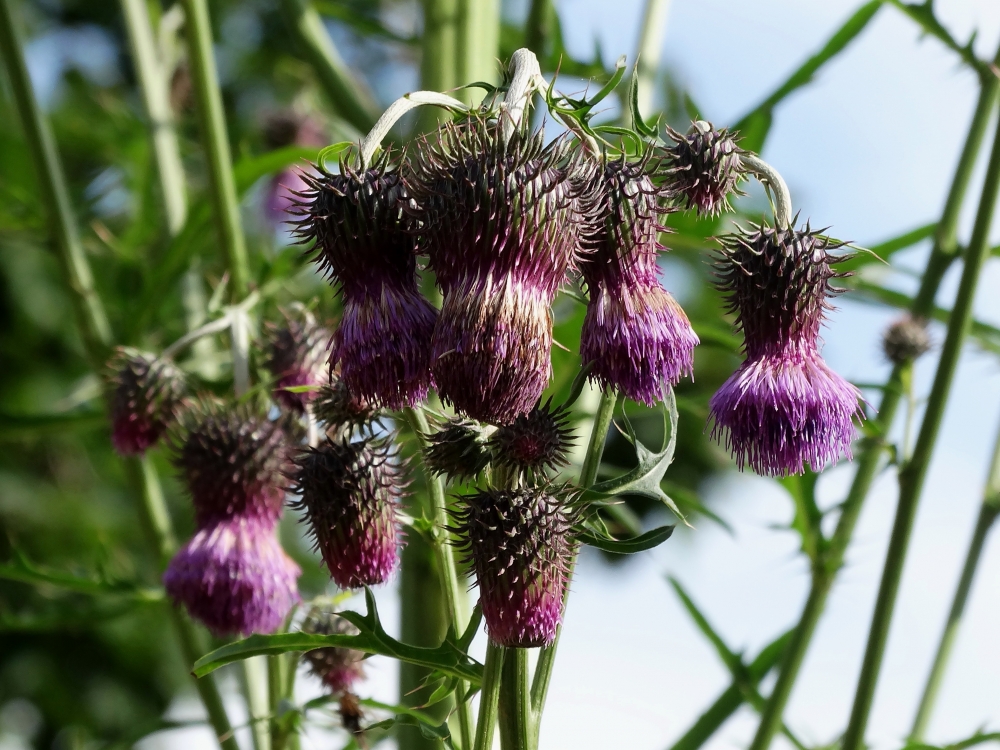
<point x="233" y="460"/>
<point x="234" y="577"/>
<point x="704" y="167"/>
<point x="338" y="668"/>
<point x="635" y="334"/>
<point x="296" y="356"/>
<point x="501" y="223"/>
<point x="784" y="407"/>
<point x="147" y="397"/>
<point x="281" y="129"/>
<point x="534" y="443"/>
<point x="519" y="544"/>
<point x="349" y="493"/>
<point x="906" y="340"/>
<point x="458" y="450"/>
<point x="366" y="248"/>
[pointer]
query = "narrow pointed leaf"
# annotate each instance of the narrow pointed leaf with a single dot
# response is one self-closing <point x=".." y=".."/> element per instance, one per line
<point x="641" y="543"/>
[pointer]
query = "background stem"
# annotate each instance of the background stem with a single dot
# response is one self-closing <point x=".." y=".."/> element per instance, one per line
<point x="914" y="472"/>
<point x="478" y="46"/>
<point x="439" y="55"/>
<point x="489" y="697"/>
<point x="517" y="730"/>
<point x="826" y="567"/>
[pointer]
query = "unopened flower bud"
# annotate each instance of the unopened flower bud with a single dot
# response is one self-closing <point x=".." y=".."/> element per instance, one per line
<point x="705" y="167"/>
<point x="906" y="340"/>
<point x="534" y="443"/>
<point x="338" y="668"/>
<point x="458" y="450"/>
<point x="339" y="409"/>
<point x="296" y="356"/>
<point x="147" y="397"/>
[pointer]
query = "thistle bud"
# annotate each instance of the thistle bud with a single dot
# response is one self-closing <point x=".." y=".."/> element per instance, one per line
<point x="534" y="443"/>
<point x="519" y="545"/>
<point x="635" y="334"/>
<point x="366" y="248"/>
<point x="349" y="494"/>
<point x="296" y="356"/>
<point x="282" y="129"/>
<point x="906" y="340"/>
<point x="339" y="409"/>
<point x="705" y="167"/>
<point x="338" y="668"/>
<point x="458" y="450"/>
<point x="234" y="577"/>
<point x="784" y="407"/>
<point x="501" y="223"/>
<point x="147" y="397"/>
<point x="233" y="461"/>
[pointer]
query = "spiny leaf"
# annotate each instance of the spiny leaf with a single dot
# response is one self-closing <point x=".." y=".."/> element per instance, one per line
<point x="372" y="639"/>
<point x="808" y="517"/>
<point x="23" y="570"/>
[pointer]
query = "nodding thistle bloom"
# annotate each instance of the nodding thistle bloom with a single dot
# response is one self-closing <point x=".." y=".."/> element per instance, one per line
<point x="233" y="461"/>
<point x="704" y="167"/>
<point x="906" y="340"/>
<point x="349" y="493"/>
<point x="296" y="356"/>
<point x="520" y="544"/>
<point x="340" y="410"/>
<point x="458" y="450"/>
<point x="534" y="443"/>
<point x="147" y="397"/>
<point x="234" y="577"/>
<point x="501" y="223"/>
<point x="784" y="407"/>
<point x="366" y="248"/>
<point x="338" y="668"/>
<point x="636" y="336"/>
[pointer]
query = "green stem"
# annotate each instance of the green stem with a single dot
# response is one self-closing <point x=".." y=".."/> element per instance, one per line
<point x="914" y="472"/>
<point x="518" y="729"/>
<point x="447" y="568"/>
<point x="155" y="91"/>
<point x="93" y="321"/>
<point x="588" y="475"/>
<point x="827" y="566"/>
<point x="489" y="697"/>
<point x="352" y="101"/>
<point x="539" y="28"/>
<point x="478" y="45"/>
<point x="647" y="58"/>
<point x="439" y="54"/>
<point x="216" y="141"/>
<point x="256" y="690"/>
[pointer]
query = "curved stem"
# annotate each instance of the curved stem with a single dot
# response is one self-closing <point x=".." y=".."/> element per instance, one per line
<point x="489" y="697"/>
<point x="525" y="72"/>
<point x="827" y="567"/>
<point x="914" y="473"/>
<point x="770" y="177"/>
<point x="397" y="109"/>
<point x="216" y="143"/>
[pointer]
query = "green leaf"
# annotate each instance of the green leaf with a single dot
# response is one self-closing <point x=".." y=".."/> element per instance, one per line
<point x="23" y="570"/>
<point x="732" y="661"/>
<point x="644" y="480"/>
<point x="886" y="249"/>
<point x="20" y="426"/>
<point x="372" y="639"/>
<point x="633" y="100"/>
<point x="641" y="543"/>
<point x="756" y="124"/>
<point x="808" y="517"/>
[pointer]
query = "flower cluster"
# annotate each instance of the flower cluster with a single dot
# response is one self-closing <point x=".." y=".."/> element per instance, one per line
<point x="233" y="574"/>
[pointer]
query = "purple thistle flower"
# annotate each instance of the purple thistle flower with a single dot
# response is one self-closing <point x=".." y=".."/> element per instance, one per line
<point x="233" y="461"/>
<point x="366" y="248"/>
<point x="234" y="577"/>
<point x="338" y="668"/>
<point x="501" y="223"/>
<point x="296" y="356"/>
<point x="519" y="545"/>
<point x="349" y="494"/>
<point x="635" y="334"/>
<point x="147" y="397"/>
<point x="704" y="167"/>
<point x="783" y="408"/>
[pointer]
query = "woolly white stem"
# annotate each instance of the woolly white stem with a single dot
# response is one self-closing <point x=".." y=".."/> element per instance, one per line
<point x="240" y="332"/>
<point x="769" y="177"/>
<point x="396" y="110"/>
<point x="215" y="326"/>
<point x="525" y="74"/>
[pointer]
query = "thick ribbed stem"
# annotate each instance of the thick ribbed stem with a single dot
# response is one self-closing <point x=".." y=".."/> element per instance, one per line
<point x="439" y="53"/>
<point x="216" y="142"/>
<point x="478" y="45"/>
<point x="824" y="573"/>
<point x="489" y="697"/>
<point x="517" y="719"/>
<point x="351" y="100"/>
<point x="914" y="472"/>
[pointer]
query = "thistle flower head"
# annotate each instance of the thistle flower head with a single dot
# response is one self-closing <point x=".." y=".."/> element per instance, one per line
<point x="338" y="408"/>
<point x="147" y="397"/>
<point x="338" y="668"/>
<point x="519" y="544"/>
<point x="705" y="167"/>
<point x="906" y="340"/>
<point x="365" y="246"/>
<point x="784" y="407"/>
<point x="458" y="450"/>
<point x="534" y="443"/>
<point x="296" y="356"/>
<point x="501" y="222"/>
<point x="349" y="493"/>
<point x="233" y="460"/>
<point x="635" y="334"/>
<point x="234" y="577"/>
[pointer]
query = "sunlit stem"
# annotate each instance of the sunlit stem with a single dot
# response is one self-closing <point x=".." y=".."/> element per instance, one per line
<point x="406" y="103"/>
<point x="769" y="177"/>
